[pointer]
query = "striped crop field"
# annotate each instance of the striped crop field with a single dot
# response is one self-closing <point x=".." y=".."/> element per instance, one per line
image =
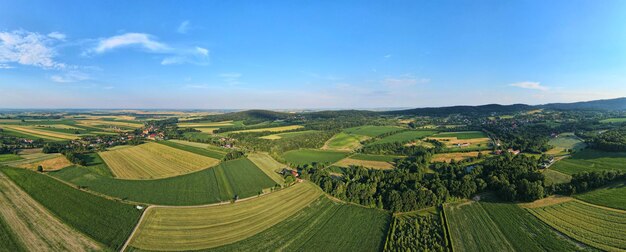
<point x="39" y="133"/>
<point x="268" y="165"/>
<point x="602" y="228"/>
<point x="487" y="226"/>
<point x="153" y="160"/>
<point x="206" y="227"/>
<point x="35" y="226"/>
<point x="205" y="124"/>
<point x="613" y="195"/>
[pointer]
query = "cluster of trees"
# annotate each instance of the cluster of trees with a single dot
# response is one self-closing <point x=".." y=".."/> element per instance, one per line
<point x="531" y="138"/>
<point x="11" y="144"/>
<point x="586" y="181"/>
<point x="235" y="154"/>
<point x="408" y="187"/>
<point x="611" y="140"/>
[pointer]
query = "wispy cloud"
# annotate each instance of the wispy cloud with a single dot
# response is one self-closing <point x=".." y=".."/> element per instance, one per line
<point x="529" y="85"/>
<point x="184" y="27"/>
<point x="28" y="48"/>
<point x="5" y="66"/>
<point x="70" y="76"/>
<point x="198" y="56"/>
<point x="57" y="35"/>
<point x="142" y="40"/>
<point x="387" y="56"/>
<point x="231" y="78"/>
<point x="404" y="81"/>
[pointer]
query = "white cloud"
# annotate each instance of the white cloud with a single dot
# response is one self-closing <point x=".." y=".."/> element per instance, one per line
<point x="198" y="56"/>
<point x="70" y="76"/>
<point x="183" y="27"/>
<point x="28" y="48"/>
<point x="143" y="40"/>
<point x="529" y="85"/>
<point x="5" y="66"/>
<point x="387" y="56"/>
<point x="57" y="35"/>
<point x="202" y="51"/>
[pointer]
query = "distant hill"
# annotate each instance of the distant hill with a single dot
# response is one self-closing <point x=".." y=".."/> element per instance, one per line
<point x="251" y="116"/>
<point x="482" y="109"/>
<point x="608" y="104"/>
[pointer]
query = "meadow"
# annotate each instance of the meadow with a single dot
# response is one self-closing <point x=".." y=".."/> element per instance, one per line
<point x="564" y="142"/>
<point x="371" y="157"/>
<point x="196" y="148"/>
<point x="405" y="136"/>
<point x="614" y="120"/>
<point x="324" y="225"/>
<point x="106" y="221"/>
<point x="308" y="156"/>
<point x="271" y="129"/>
<point x="378" y="165"/>
<point x="34" y="226"/>
<point x="202" y="187"/>
<point x="591" y="160"/>
<point x="598" y="227"/>
<point x="462" y="135"/>
<point x="456" y="156"/>
<point x="268" y="165"/>
<point x="288" y="135"/>
<point x="613" y="195"/>
<point x="9" y="157"/>
<point x="206" y="227"/>
<point x="490" y="226"/>
<point x="371" y="131"/>
<point x="344" y="142"/>
<point x="205" y="124"/>
<point x="555" y="177"/>
<point x="153" y="161"/>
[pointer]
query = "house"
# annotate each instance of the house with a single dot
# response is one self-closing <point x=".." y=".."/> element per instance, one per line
<point x="514" y="152"/>
<point x="462" y="145"/>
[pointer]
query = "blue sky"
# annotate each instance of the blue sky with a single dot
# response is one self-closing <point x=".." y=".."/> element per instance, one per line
<point x="308" y="54"/>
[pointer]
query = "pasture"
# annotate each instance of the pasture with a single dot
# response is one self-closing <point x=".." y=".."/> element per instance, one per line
<point x="614" y="120"/>
<point x="106" y="221"/>
<point x="153" y="160"/>
<point x="595" y="226"/>
<point x="203" y="187"/>
<point x="371" y="131"/>
<point x="378" y="165"/>
<point x="344" y="142"/>
<point x="207" y="227"/>
<point x="371" y="157"/>
<point x="324" y="225"/>
<point x="34" y="226"/>
<point x="591" y="160"/>
<point x="9" y="157"/>
<point x="268" y="165"/>
<point x="405" y="136"/>
<point x="564" y="142"/>
<point x="271" y="129"/>
<point x="613" y="195"/>
<point x="488" y="226"/>
<point x="464" y="135"/>
<point x="287" y="135"/>
<point x="555" y="177"/>
<point x="195" y="148"/>
<point x="456" y="156"/>
<point x="308" y="156"/>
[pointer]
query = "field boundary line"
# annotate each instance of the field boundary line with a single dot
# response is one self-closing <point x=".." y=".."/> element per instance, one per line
<point x="132" y="234"/>
<point x="601" y="207"/>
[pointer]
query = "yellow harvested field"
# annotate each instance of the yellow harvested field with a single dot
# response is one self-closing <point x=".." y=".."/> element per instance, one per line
<point x="205" y="125"/>
<point x="273" y="129"/>
<point x="153" y="160"/>
<point x="59" y="126"/>
<point x="110" y="123"/>
<point x="456" y="156"/>
<point x="52" y="164"/>
<point x="38" y="229"/>
<point x="204" y="227"/>
<point x="41" y="133"/>
<point x="378" y="165"/>
<point x="207" y="130"/>
<point x="30" y="151"/>
<point x="548" y="201"/>
<point x="268" y="165"/>
<point x="452" y="141"/>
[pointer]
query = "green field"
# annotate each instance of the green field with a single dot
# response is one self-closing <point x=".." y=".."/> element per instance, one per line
<point x="405" y="136"/>
<point x="106" y="221"/>
<point x="371" y="157"/>
<point x="555" y="177"/>
<point x="565" y="141"/>
<point x="371" y="131"/>
<point x="322" y="226"/>
<point x="344" y="142"/>
<point x="9" y="157"/>
<point x="591" y="160"/>
<point x="613" y="196"/>
<point x="423" y="230"/>
<point x="487" y="226"/>
<point x="216" y="184"/>
<point x="463" y="134"/>
<point x="198" y="136"/>
<point x="594" y="226"/>
<point x="8" y="239"/>
<point x="288" y="135"/>
<point x="614" y="120"/>
<point x="200" y="151"/>
<point x="306" y="156"/>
